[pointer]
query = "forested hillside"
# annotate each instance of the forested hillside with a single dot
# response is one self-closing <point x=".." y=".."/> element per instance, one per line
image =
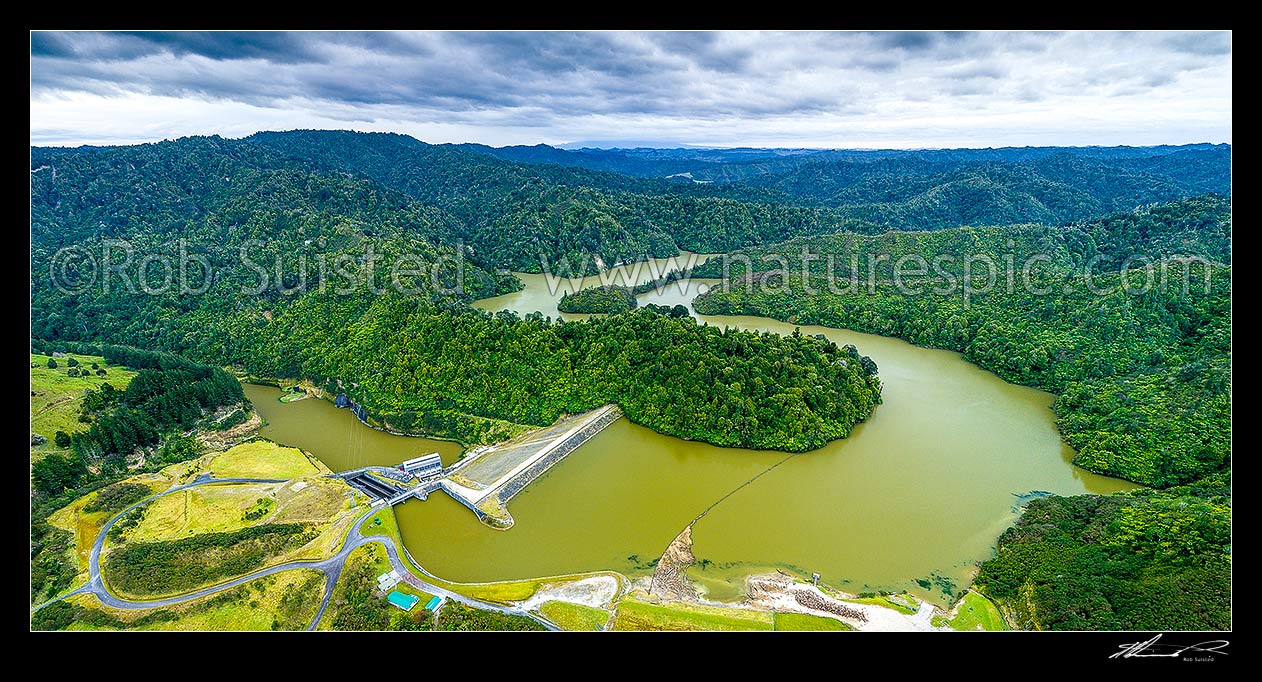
<point x="930" y="189"/>
<point x="1151" y="560"/>
<point x="1142" y="373"/>
<point x="522" y="208"/>
<point x="512" y="214"/>
<point x="413" y="353"/>
<point x="557" y="206"/>
<point x="749" y="165"/>
<point x="912" y="193"/>
<point x="1199" y="226"/>
<point x="1143" y="378"/>
<point x="225" y="202"/>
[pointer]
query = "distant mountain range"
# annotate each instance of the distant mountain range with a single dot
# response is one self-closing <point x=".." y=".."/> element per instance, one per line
<point x="512" y="205"/>
<point x="739" y="163"/>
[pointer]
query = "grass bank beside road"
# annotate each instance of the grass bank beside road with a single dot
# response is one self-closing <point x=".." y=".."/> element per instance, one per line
<point x="633" y="614"/>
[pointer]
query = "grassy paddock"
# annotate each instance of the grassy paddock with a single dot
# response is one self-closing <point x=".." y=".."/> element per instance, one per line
<point x="284" y="601"/>
<point x="973" y="612"/>
<point x="56" y="396"/>
<point x="806" y="622"/>
<point x="570" y="616"/>
<point x="265" y="459"/>
<point x="637" y="615"/>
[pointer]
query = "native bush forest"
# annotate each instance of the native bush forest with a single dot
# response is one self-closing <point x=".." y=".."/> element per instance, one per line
<point x="307" y="283"/>
<point x="1151" y="560"/>
<point x="609" y="300"/>
<point x="1143" y="373"/>
<point x="352" y="259"/>
<point x="1128" y="321"/>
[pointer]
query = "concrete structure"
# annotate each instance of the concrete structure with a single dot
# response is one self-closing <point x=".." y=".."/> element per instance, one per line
<point x="487" y="477"/>
<point x="388" y="485"/>
<point x="424" y="466"/>
<point x="370" y="485"/>
<point x="487" y="482"/>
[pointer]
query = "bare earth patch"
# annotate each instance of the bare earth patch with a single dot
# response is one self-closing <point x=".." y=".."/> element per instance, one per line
<point x="783" y="593"/>
<point x="597" y="591"/>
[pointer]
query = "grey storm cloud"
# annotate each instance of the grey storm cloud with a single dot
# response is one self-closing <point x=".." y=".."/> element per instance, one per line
<point x="553" y="79"/>
<point x="569" y="72"/>
<point x="1201" y="42"/>
<point x="906" y="40"/>
<point x="275" y="46"/>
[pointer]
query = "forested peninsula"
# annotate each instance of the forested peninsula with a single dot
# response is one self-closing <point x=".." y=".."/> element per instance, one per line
<point x="408" y="348"/>
<point x="1142" y="373"/>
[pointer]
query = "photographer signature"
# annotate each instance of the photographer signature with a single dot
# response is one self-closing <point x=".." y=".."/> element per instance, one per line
<point x="1152" y="649"/>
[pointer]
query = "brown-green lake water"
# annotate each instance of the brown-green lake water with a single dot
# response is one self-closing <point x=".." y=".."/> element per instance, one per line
<point x="917" y="495"/>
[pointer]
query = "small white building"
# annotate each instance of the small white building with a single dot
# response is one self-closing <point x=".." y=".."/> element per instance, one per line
<point x="386" y="581"/>
<point x="424" y="466"/>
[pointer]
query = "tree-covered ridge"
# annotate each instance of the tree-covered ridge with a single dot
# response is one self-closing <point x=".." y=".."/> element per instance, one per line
<point x="421" y="358"/>
<point x="169" y="394"/>
<point x="446" y="372"/>
<point x="1143" y="378"/>
<point x="512" y="213"/>
<point x="1198" y="227"/>
<point x="912" y="190"/>
<point x="610" y="300"/>
<point x="224" y="201"/>
<point x="916" y="194"/>
<point x="210" y="190"/>
<point x="734" y="165"/>
<point x="1150" y="560"/>
<point x="517" y="210"/>
<point x="305" y="185"/>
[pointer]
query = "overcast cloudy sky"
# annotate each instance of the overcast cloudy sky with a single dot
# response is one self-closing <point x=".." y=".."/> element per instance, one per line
<point x="716" y="89"/>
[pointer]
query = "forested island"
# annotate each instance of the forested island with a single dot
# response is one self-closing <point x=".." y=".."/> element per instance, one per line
<point x="609" y="299"/>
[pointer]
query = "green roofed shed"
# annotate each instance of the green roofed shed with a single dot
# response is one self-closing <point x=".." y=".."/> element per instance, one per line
<point x="403" y="601"/>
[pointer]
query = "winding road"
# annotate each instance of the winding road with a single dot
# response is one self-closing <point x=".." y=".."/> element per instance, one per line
<point x="331" y="567"/>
